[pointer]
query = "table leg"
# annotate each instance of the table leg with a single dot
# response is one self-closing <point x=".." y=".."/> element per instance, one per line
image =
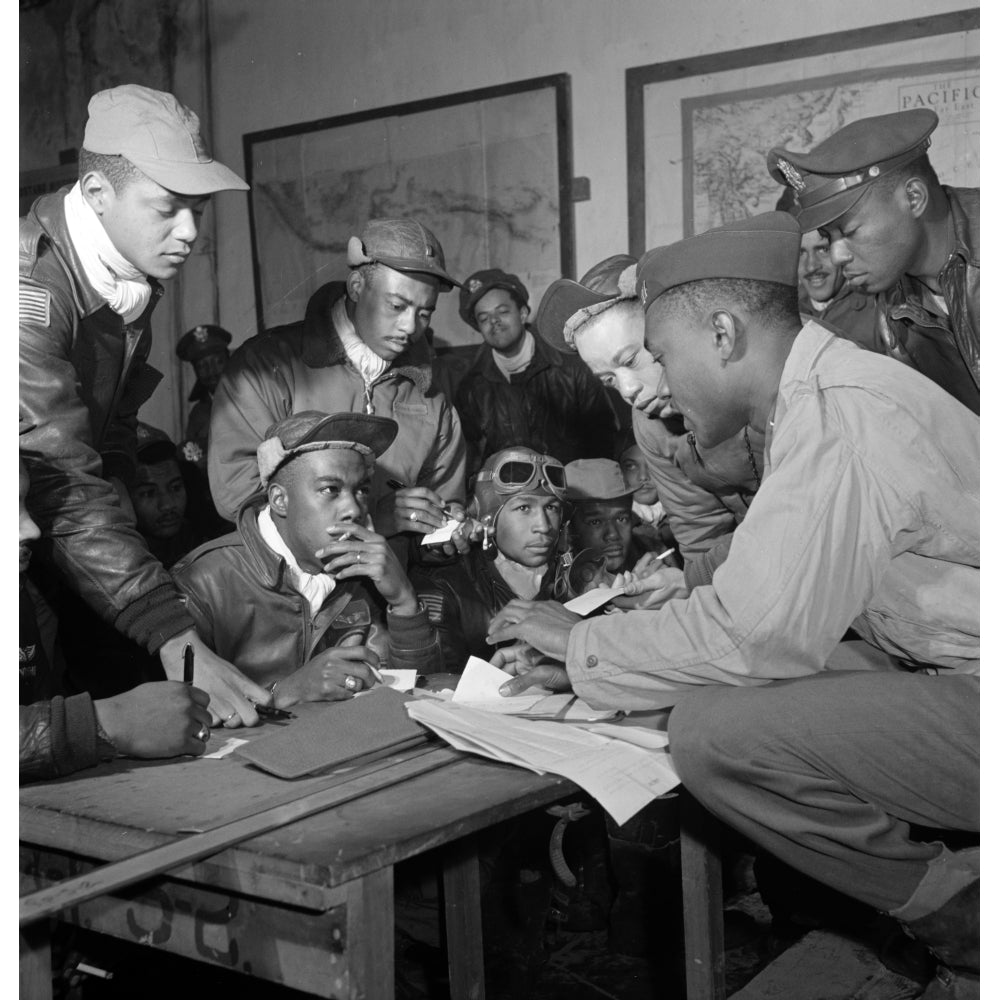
<point x="35" y="962"/>
<point x="701" y="884"/>
<point x="370" y="922"/>
<point x="463" y="919"/>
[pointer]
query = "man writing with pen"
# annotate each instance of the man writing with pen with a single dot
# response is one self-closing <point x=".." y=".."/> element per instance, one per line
<point x="305" y="598"/>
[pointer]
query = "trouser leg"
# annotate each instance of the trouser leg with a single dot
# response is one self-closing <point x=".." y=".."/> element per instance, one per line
<point x="827" y="773"/>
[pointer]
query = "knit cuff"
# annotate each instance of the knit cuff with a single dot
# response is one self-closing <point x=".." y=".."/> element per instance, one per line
<point x="155" y="617"/>
<point x="74" y="733"/>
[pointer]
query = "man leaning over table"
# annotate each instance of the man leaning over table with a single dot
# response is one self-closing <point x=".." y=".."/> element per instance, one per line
<point x="91" y="261"/>
<point x="868" y="517"/>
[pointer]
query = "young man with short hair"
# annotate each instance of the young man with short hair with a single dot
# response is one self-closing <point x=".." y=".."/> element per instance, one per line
<point x="91" y="261"/>
<point x="304" y="598"/>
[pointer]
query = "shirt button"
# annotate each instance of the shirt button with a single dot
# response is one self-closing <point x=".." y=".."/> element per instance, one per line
<point x="591" y="660"/>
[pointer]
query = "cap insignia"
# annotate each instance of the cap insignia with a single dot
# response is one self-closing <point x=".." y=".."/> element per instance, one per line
<point x="474" y="286"/>
<point x="792" y="176"/>
<point x="201" y="334"/>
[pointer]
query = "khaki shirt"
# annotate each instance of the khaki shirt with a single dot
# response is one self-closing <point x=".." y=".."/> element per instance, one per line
<point x="868" y="516"/>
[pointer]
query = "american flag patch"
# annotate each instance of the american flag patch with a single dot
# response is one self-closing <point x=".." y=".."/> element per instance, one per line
<point x="433" y="601"/>
<point x="33" y="304"/>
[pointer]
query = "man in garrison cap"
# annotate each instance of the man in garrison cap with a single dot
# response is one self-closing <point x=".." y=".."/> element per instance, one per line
<point x="867" y="518"/>
<point x="900" y="234"/>
<point x="92" y="259"/>
<point x="519" y="391"/>
<point x="206" y="349"/>
<point x="361" y="347"/>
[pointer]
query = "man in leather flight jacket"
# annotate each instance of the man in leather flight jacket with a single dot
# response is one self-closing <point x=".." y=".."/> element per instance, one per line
<point x="91" y="259"/>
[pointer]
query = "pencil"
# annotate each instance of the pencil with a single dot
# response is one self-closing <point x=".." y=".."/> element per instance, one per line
<point x="188" y="664"/>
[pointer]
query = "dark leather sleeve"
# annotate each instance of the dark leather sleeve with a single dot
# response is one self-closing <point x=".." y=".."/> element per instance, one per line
<point x="57" y="737"/>
<point x="88" y="536"/>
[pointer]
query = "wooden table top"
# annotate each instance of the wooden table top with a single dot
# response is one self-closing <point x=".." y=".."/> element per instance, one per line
<point x="118" y="809"/>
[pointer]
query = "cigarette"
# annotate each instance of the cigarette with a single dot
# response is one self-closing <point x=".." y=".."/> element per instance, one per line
<point x="663" y="555"/>
<point x="92" y="970"/>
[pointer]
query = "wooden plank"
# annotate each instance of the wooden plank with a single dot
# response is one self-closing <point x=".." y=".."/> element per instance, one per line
<point x="48" y="902"/>
<point x="701" y="885"/>
<point x="303" y="950"/>
<point x="35" y="966"/>
<point x="463" y="916"/>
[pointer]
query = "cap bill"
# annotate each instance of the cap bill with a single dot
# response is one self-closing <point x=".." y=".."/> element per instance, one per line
<point x="190" y="178"/>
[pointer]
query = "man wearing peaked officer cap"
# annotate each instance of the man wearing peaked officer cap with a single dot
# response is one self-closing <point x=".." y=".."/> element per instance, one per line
<point x="304" y="542"/>
<point x="206" y="349"/>
<point x="900" y="234"/>
<point x="91" y="261"/>
<point x="361" y="347"/>
<point x="519" y="391"/>
<point x="867" y="518"/>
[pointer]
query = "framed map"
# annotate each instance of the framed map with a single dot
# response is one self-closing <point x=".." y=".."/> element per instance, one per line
<point x="699" y="129"/>
<point x="489" y="171"/>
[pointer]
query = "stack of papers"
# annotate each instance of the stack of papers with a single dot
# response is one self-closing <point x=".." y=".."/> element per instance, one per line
<point x="623" y="767"/>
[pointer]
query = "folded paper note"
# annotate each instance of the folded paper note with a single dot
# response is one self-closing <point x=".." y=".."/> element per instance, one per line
<point x="442" y="534"/>
<point x="591" y="600"/>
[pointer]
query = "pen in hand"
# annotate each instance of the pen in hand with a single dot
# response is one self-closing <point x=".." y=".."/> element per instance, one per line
<point x="188" y="664"/>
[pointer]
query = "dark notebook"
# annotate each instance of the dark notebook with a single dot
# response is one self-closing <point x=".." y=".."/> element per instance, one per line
<point x="337" y="733"/>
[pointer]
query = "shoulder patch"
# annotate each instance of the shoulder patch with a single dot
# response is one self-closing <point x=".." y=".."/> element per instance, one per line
<point x="33" y="304"/>
<point x="433" y="601"/>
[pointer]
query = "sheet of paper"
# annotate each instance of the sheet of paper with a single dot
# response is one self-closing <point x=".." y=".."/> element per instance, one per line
<point x="442" y="534"/>
<point x="399" y="680"/>
<point x="651" y="739"/>
<point x="592" y="599"/>
<point x="621" y="776"/>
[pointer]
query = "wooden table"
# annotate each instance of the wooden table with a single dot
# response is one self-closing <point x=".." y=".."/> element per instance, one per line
<point x="309" y="905"/>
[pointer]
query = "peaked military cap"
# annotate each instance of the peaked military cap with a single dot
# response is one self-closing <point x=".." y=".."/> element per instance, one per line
<point x="202" y="340"/>
<point x="763" y="248"/>
<point x="832" y="177"/>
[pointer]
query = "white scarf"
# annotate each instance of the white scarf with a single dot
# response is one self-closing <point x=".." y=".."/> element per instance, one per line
<point x="359" y="353"/>
<point x="523" y="580"/>
<point x="520" y="361"/>
<point x="121" y="285"/>
<point x="314" y="587"/>
<point x="648" y="513"/>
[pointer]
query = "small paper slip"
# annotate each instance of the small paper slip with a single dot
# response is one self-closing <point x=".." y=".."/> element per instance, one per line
<point x="650" y="739"/>
<point x="442" y="534"/>
<point x="399" y="680"/>
<point x="226" y="749"/>
<point x="592" y="599"/>
<point x="479" y="687"/>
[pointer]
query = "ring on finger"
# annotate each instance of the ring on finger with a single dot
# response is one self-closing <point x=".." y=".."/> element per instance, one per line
<point x="358" y="556"/>
<point x="231" y="716"/>
<point x="413" y="515"/>
<point x="351" y="683"/>
<point x="203" y="734"/>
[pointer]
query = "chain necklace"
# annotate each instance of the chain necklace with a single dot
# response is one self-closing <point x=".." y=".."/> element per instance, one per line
<point x="753" y="461"/>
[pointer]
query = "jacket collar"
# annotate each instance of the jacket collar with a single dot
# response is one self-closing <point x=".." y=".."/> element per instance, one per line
<point x="268" y="566"/>
<point x="966" y="222"/>
<point x="322" y="347"/>
<point x="49" y="213"/>
<point x="544" y="357"/>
